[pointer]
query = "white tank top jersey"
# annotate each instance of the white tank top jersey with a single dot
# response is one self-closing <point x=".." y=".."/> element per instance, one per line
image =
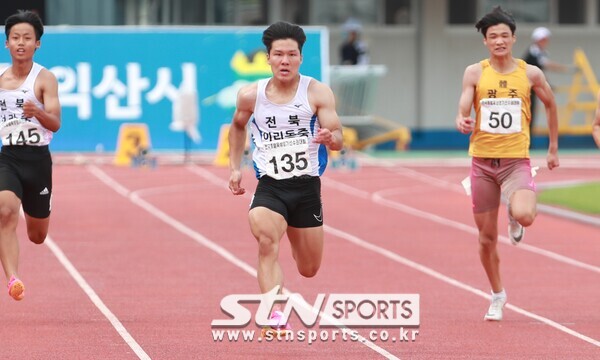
<point x="282" y="135"/>
<point x="15" y="128"/>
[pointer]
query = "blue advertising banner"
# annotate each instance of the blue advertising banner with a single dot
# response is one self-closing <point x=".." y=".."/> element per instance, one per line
<point x="168" y="78"/>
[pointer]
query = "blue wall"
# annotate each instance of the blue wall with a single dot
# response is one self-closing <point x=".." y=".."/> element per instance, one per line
<point x="111" y="76"/>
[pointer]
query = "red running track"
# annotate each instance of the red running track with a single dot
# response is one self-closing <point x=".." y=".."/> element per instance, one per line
<point x="149" y="254"/>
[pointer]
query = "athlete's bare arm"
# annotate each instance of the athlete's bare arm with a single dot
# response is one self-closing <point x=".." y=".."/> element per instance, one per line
<point x="464" y="123"/>
<point x="46" y="90"/>
<point x="321" y="97"/>
<point x="596" y="126"/>
<point x="237" y="135"/>
<point x="544" y="92"/>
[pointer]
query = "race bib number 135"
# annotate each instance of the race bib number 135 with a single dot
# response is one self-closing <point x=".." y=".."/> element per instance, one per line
<point x="500" y="116"/>
<point x="287" y="158"/>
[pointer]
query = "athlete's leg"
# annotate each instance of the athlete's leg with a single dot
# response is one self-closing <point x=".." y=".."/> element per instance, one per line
<point x="268" y="228"/>
<point x="307" y="248"/>
<point x="37" y="195"/>
<point x="519" y="187"/>
<point x="487" y="223"/>
<point x="37" y="229"/>
<point x="486" y="201"/>
<point x="523" y="205"/>
<point x="9" y="244"/>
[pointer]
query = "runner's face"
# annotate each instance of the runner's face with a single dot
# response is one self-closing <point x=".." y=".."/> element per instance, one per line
<point x="21" y="41"/>
<point x="499" y="40"/>
<point x="285" y="59"/>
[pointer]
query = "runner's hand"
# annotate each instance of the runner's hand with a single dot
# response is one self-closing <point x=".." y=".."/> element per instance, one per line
<point x="325" y="137"/>
<point x="552" y="160"/>
<point x="30" y="109"/>
<point x="235" y="180"/>
<point x="465" y="124"/>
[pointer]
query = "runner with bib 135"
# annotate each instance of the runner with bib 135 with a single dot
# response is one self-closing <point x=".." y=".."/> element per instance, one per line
<point x="293" y="121"/>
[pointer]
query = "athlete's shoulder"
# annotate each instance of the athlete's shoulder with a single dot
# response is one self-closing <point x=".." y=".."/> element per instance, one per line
<point x="320" y="94"/>
<point x="473" y="71"/>
<point x="535" y="74"/>
<point x="248" y="93"/>
<point x="533" y="71"/>
<point x="478" y="66"/>
<point x="318" y="88"/>
<point x="46" y="75"/>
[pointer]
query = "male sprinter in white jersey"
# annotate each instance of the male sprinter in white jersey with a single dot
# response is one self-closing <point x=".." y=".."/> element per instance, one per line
<point x="292" y="120"/>
<point x="29" y="115"/>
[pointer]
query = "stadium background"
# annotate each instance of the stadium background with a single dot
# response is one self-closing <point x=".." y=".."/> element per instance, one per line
<point x="424" y="46"/>
<point x="138" y="259"/>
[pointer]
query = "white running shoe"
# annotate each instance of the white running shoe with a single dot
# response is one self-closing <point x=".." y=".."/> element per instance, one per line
<point x="516" y="231"/>
<point x="494" y="312"/>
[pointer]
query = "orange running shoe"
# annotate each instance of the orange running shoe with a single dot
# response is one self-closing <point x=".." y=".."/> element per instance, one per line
<point x="277" y="328"/>
<point x="16" y="289"/>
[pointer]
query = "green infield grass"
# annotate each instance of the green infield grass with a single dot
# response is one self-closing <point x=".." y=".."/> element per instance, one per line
<point x="583" y="198"/>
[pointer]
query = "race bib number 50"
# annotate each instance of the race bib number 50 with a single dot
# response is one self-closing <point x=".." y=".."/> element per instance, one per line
<point x="287" y="158"/>
<point x="500" y="116"/>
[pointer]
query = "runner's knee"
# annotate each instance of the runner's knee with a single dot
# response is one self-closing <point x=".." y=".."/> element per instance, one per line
<point x="267" y="246"/>
<point x="487" y="241"/>
<point x="9" y="216"/>
<point x="524" y="218"/>
<point x="308" y="270"/>
<point x="36" y="236"/>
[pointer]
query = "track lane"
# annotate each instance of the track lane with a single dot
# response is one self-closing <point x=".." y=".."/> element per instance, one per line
<point x="367" y="226"/>
<point x="153" y="259"/>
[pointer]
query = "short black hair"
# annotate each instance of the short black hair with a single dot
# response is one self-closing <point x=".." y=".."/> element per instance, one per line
<point x="282" y="30"/>
<point x="25" y="16"/>
<point x="495" y="17"/>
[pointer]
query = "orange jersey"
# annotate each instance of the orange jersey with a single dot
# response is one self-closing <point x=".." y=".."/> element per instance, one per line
<point x="502" y="105"/>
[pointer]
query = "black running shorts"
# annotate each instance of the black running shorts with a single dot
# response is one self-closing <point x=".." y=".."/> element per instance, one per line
<point x="27" y="172"/>
<point x="297" y="199"/>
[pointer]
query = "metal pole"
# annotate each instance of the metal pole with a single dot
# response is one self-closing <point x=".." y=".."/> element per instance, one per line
<point x="419" y="63"/>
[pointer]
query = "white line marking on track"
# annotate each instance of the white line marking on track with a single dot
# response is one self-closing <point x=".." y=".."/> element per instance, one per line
<point x="89" y="291"/>
<point x="379" y="197"/>
<point x="96" y="300"/>
<point x="424" y="269"/>
<point x="571" y="215"/>
<point x="589" y="162"/>
<point x="202" y="240"/>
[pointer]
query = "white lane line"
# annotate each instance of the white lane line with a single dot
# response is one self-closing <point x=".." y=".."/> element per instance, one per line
<point x="571" y="215"/>
<point x="96" y="300"/>
<point x="422" y="268"/>
<point x="451" y="281"/>
<point x="379" y="197"/>
<point x="590" y="162"/>
<point x="135" y="198"/>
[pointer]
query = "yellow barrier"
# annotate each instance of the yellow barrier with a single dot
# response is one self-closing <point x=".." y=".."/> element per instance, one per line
<point x="133" y="141"/>
<point x="584" y="83"/>
<point x="222" y="156"/>
<point x="399" y="134"/>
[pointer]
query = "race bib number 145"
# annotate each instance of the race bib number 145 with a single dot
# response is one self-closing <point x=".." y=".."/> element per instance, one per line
<point x="25" y="133"/>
